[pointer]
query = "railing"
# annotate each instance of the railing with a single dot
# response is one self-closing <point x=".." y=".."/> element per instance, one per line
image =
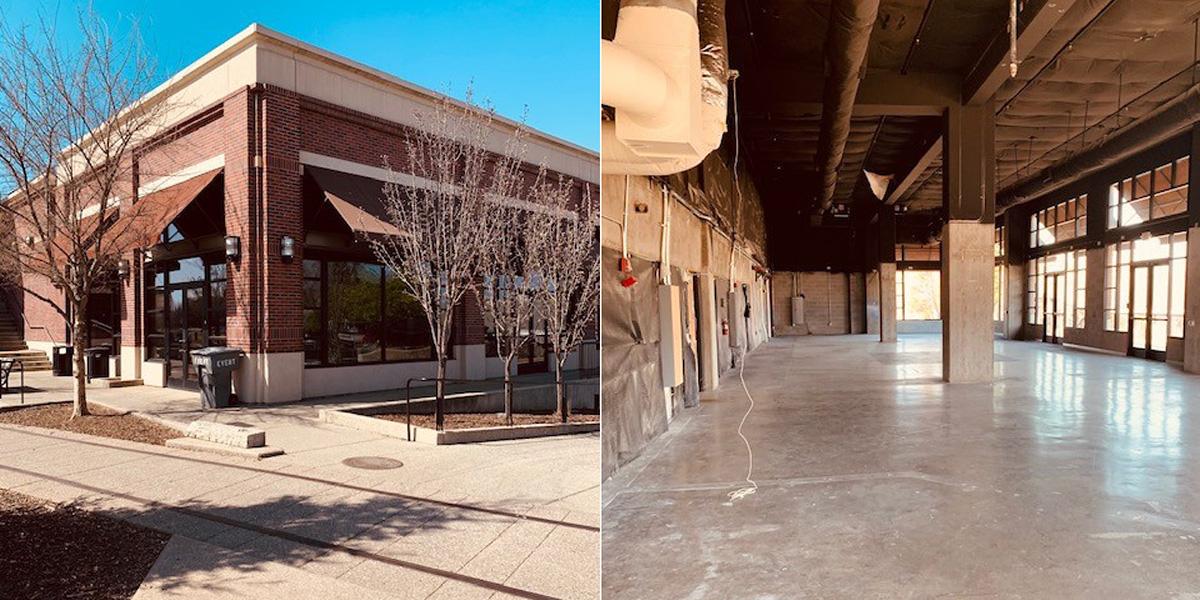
<point x="509" y="387"/>
<point x="439" y="417"/>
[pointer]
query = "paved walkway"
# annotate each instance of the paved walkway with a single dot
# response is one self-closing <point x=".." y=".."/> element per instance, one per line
<point x="516" y="519"/>
<point x="1073" y="475"/>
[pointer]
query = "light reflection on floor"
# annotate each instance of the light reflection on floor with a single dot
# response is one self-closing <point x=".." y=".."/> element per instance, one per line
<point x="1073" y="474"/>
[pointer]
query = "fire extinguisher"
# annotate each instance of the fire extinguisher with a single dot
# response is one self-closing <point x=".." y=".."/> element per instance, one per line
<point x="724" y="327"/>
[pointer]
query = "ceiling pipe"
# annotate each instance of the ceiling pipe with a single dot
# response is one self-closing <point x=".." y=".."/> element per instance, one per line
<point x="1172" y="119"/>
<point x="665" y="74"/>
<point x="850" y="26"/>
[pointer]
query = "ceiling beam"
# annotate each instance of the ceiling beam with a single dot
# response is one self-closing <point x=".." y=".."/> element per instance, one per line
<point x="992" y="69"/>
<point x="906" y="183"/>
<point x="880" y="93"/>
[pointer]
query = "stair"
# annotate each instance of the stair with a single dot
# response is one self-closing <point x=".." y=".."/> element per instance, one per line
<point x="12" y="342"/>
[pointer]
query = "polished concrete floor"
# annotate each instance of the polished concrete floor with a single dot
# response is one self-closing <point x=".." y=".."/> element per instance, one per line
<point x="1073" y="475"/>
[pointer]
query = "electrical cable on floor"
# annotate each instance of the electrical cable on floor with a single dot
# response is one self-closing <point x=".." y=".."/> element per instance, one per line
<point x="741" y="493"/>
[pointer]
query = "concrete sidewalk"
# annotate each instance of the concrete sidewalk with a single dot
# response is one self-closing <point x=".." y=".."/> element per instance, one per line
<point x="507" y="519"/>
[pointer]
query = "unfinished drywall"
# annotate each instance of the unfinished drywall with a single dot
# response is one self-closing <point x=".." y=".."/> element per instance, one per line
<point x="833" y="303"/>
<point x="707" y="227"/>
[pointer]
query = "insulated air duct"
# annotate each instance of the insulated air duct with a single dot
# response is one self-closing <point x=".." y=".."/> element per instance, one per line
<point x="665" y="74"/>
<point x="1168" y="121"/>
<point x="850" y="25"/>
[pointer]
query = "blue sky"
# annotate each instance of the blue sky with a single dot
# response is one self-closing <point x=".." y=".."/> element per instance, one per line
<point x="540" y="54"/>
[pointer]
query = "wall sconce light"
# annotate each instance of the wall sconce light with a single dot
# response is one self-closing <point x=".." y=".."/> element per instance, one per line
<point x="123" y="269"/>
<point x="233" y="247"/>
<point x="287" y="248"/>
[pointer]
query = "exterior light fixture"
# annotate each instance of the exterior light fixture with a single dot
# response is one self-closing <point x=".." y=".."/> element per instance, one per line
<point x="233" y="247"/>
<point x="123" y="268"/>
<point x="287" y="248"/>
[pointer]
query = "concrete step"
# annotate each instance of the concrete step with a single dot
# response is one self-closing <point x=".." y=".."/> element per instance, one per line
<point x="116" y="382"/>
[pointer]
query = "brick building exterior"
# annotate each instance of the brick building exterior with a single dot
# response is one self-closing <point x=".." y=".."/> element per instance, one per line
<point x="265" y="125"/>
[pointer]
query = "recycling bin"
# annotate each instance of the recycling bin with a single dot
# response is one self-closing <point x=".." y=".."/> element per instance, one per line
<point x="214" y="370"/>
<point x="97" y="362"/>
<point x="61" y="361"/>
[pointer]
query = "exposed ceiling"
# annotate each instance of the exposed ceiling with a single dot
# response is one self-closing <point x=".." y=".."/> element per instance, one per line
<point x="1094" y="56"/>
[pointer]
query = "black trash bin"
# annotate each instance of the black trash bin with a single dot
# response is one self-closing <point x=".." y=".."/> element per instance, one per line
<point x="97" y="362"/>
<point x="214" y="370"/>
<point x="61" y="361"/>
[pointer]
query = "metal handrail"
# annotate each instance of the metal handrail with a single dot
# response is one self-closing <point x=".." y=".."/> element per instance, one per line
<point x="438" y="418"/>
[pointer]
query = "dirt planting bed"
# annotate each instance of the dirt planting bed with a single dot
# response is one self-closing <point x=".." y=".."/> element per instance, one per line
<point x="101" y="422"/>
<point x="477" y="420"/>
<point x="50" y="551"/>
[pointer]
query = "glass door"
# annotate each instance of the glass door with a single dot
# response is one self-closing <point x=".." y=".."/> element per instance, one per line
<point x="1149" y="316"/>
<point x="187" y="331"/>
<point x="532" y="357"/>
<point x="1055" y="308"/>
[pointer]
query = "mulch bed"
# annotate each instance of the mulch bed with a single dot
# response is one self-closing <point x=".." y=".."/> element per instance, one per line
<point x="101" y="422"/>
<point x="475" y="420"/>
<point x="56" y="551"/>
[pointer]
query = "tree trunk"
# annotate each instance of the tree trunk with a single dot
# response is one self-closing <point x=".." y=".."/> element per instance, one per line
<point x="440" y="392"/>
<point x="561" y="390"/>
<point x="79" y="343"/>
<point x="508" y="391"/>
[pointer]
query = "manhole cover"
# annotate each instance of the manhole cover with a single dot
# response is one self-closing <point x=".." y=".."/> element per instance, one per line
<point x="374" y="463"/>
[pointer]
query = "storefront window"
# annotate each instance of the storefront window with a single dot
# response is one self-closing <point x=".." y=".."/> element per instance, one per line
<point x="1155" y="194"/>
<point x="918" y="295"/>
<point x="359" y="313"/>
<point x="1122" y="257"/>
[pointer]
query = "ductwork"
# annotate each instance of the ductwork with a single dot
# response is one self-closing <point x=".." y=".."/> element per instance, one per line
<point x="1168" y="121"/>
<point x="665" y="74"/>
<point x="850" y="25"/>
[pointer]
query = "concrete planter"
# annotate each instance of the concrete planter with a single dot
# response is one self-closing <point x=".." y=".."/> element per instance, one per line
<point x="540" y="398"/>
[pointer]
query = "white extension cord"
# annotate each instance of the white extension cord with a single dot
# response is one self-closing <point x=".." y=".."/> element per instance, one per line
<point x="741" y="493"/>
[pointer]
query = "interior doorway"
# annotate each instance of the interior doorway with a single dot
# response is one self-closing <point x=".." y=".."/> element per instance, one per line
<point x="1055" y="308"/>
<point x="1149" y="315"/>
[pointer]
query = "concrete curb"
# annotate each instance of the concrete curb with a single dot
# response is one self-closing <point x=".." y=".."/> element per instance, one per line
<point x="425" y="435"/>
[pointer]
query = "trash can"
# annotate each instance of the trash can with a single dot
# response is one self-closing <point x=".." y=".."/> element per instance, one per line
<point x="214" y="370"/>
<point x="61" y="361"/>
<point x="97" y="362"/>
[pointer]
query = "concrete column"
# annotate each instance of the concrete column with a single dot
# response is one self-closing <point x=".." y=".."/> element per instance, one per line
<point x="1191" y="310"/>
<point x="709" y="372"/>
<point x="969" y="201"/>
<point x="873" y="302"/>
<point x="967" y="302"/>
<point x="887" y="302"/>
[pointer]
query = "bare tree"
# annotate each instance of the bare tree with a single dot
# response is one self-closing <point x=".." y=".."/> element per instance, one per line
<point x="509" y="288"/>
<point x="442" y="201"/>
<point x="69" y="124"/>
<point x="569" y="297"/>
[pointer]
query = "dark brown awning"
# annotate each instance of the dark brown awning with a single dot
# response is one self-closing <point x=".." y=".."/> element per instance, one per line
<point x="150" y="215"/>
<point x="358" y="200"/>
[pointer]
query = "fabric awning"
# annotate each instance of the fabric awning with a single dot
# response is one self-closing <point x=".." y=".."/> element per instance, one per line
<point x="358" y="200"/>
<point x="151" y="214"/>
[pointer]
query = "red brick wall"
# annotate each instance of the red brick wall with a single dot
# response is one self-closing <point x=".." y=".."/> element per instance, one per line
<point x="240" y="220"/>
<point x="284" y="215"/>
<point x="42" y="322"/>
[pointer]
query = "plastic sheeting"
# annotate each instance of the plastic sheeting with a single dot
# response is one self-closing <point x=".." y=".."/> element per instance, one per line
<point x="633" y="411"/>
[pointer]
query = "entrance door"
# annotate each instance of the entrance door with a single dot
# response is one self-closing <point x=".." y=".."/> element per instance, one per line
<point x="1055" y="308"/>
<point x="1149" y="317"/>
<point x="188" y="326"/>
<point x="532" y="357"/>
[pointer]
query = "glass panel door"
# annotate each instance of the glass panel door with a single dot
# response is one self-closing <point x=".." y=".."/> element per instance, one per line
<point x="188" y="323"/>
<point x="1160" y="285"/>
<point x="1150" y="314"/>
<point x="1055" y="308"/>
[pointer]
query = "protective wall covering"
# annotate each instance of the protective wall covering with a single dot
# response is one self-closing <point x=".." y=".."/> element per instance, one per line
<point x="633" y="412"/>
